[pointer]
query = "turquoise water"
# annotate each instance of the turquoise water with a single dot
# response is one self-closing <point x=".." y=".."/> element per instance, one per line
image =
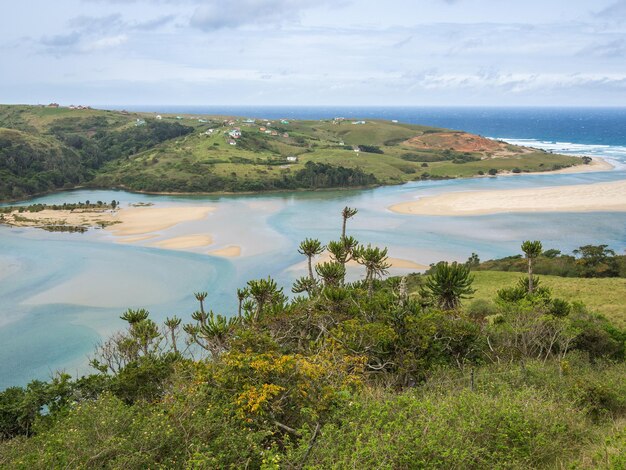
<point x="61" y="293"/>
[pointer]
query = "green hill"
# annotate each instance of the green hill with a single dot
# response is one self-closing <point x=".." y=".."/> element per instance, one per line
<point x="146" y="152"/>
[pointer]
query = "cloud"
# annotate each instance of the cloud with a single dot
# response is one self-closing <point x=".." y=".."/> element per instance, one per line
<point x="90" y="33"/>
<point x="615" y="49"/>
<point x="106" y="42"/>
<point x="225" y="14"/>
<point x="613" y="11"/>
<point x="61" y="40"/>
<point x="511" y="82"/>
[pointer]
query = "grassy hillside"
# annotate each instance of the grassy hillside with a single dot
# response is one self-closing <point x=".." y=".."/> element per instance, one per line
<point x="606" y="296"/>
<point x="137" y="151"/>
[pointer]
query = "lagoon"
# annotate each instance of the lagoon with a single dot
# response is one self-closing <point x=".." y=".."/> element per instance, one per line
<point x="61" y="293"/>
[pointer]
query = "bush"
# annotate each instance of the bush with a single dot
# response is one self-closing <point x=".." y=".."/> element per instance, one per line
<point x="508" y="429"/>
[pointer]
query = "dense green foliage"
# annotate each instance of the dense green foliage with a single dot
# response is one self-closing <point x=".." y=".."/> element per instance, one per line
<point x="372" y="373"/>
<point x="69" y="151"/>
<point x="586" y="261"/>
<point x="30" y="165"/>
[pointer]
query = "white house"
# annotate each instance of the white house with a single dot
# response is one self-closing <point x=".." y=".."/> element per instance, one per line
<point x="292" y="159"/>
<point x="158" y="117"/>
<point x="235" y="133"/>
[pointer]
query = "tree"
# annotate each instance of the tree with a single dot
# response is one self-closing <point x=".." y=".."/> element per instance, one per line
<point x="532" y="249"/>
<point x="311" y="247"/>
<point x="347" y="213"/>
<point x="332" y="273"/>
<point x="305" y="284"/>
<point x="597" y="261"/>
<point x="448" y="284"/>
<point x="375" y="261"/>
<point x="264" y="292"/>
<point x="473" y="261"/>
<point x="342" y="251"/>
<point x="241" y="296"/>
<point x="172" y="325"/>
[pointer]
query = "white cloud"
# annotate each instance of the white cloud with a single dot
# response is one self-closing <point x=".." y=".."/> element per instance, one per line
<point x="220" y="14"/>
<point x="106" y="42"/>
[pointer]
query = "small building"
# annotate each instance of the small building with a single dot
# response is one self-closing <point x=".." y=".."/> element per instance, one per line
<point x="208" y="132"/>
<point x="358" y="122"/>
<point x="140" y="122"/>
<point x="285" y="135"/>
<point x="262" y="129"/>
<point x="202" y="120"/>
<point x="232" y="142"/>
<point x="72" y="106"/>
<point x="53" y="105"/>
<point x="159" y="117"/>
<point x="275" y="133"/>
<point x="179" y="117"/>
<point x="395" y="121"/>
<point x="356" y="148"/>
<point x="235" y="133"/>
<point x="292" y="159"/>
<point x="284" y="121"/>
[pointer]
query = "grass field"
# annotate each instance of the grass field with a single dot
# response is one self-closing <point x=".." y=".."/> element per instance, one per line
<point x="605" y="296"/>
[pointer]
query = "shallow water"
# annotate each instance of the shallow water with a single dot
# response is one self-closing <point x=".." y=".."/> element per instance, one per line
<point x="61" y="293"/>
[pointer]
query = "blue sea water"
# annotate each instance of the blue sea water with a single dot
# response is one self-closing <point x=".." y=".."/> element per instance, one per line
<point x="605" y="126"/>
<point x="62" y="293"/>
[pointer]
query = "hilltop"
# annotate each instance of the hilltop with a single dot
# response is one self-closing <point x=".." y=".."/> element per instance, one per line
<point x="48" y="148"/>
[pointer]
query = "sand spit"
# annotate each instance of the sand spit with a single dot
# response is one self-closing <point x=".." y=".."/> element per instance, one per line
<point x="598" y="197"/>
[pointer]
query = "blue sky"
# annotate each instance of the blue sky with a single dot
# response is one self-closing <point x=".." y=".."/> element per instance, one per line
<point x="314" y="52"/>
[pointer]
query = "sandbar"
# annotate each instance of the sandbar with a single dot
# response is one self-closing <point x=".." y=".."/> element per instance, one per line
<point x="231" y="251"/>
<point x="184" y="242"/>
<point x="598" y="197"/>
<point x="143" y="220"/>
<point x="139" y="238"/>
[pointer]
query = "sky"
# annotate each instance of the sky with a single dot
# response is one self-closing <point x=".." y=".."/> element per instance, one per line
<point x="314" y="52"/>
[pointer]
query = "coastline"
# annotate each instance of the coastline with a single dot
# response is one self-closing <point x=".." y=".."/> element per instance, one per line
<point x="598" y="164"/>
<point x="597" y="197"/>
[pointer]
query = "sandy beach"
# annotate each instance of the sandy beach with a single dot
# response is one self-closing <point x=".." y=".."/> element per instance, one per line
<point x="599" y="197"/>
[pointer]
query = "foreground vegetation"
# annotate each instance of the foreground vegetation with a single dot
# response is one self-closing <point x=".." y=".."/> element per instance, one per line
<point x="44" y="149"/>
<point x="395" y="373"/>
